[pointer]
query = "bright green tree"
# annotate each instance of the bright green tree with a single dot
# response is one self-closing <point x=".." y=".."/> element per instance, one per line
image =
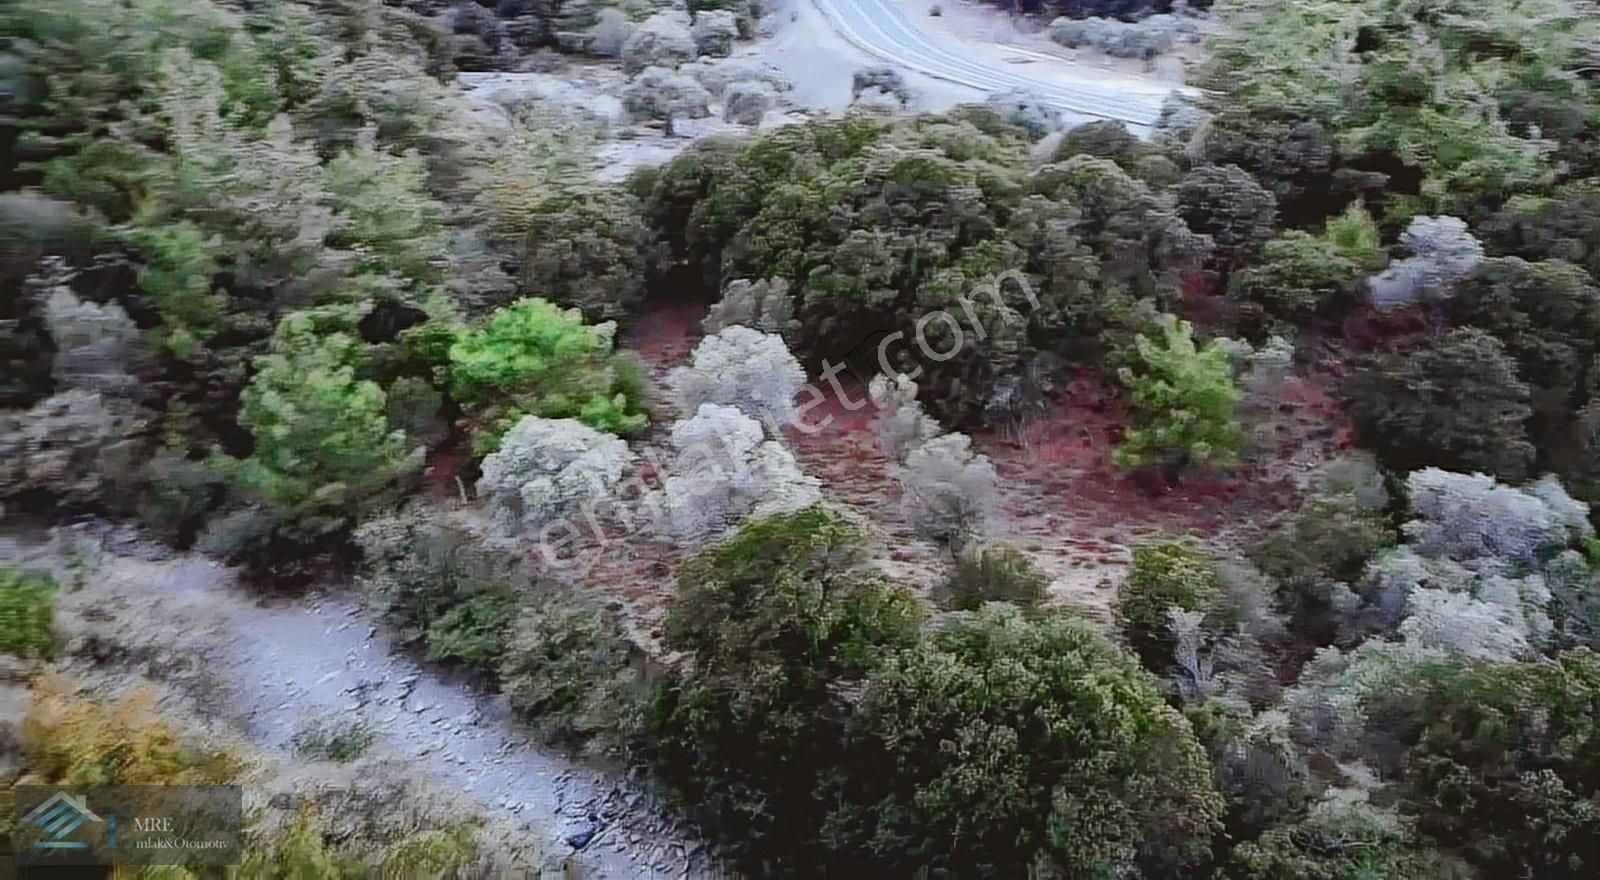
<point x="322" y="435"/>
<point x="533" y="358"/>
<point x="1182" y="398"/>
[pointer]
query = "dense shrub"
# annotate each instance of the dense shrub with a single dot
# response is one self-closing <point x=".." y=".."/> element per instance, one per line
<point x="1494" y="760"/>
<point x="741" y="367"/>
<point x="1454" y="402"/>
<point x="726" y="469"/>
<point x="571" y="674"/>
<point x="776" y="620"/>
<point x="323" y="443"/>
<point x="877" y="224"/>
<point x="1298" y="275"/>
<point x="1339" y="838"/>
<point x="71" y="740"/>
<point x="27" y="604"/>
<point x="1317" y="555"/>
<point x="1018" y="744"/>
<point x="547" y="468"/>
<point x="442" y="587"/>
<point x="1227" y="204"/>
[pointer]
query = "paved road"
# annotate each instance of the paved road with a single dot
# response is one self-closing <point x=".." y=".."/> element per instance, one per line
<point x="882" y="29"/>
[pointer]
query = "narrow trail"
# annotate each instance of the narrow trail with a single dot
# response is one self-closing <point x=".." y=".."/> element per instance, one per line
<point x="267" y="667"/>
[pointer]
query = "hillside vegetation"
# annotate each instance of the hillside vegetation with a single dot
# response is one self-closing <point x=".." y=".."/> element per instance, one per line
<point x="269" y="290"/>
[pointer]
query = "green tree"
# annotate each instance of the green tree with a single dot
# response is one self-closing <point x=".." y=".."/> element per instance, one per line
<point x="1456" y="403"/>
<point x="1002" y="745"/>
<point x="1499" y="760"/>
<point x="1182" y="399"/>
<point x="533" y="358"/>
<point x="780" y="624"/>
<point x="1227" y="204"/>
<point x="1165" y="575"/>
<point x="1295" y="276"/>
<point x="323" y="444"/>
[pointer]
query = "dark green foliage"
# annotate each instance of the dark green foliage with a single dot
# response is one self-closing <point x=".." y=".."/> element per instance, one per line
<point x="1328" y="543"/>
<point x="778" y="625"/>
<point x="1227" y="204"/>
<point x="1165" y="575"/>
<point x="876" y="224"/>
<point x="1339" y="840"/>
<point x="443" y="589"/>
<point x="1563" y="225"/>
<point x="1019" y="743"/>
<point x="1501" y="762"/>
<point x="1455" y="402"/>
<point x="474" y="630"/>
<point x="27" y="604"/>
<point x="1314" y="96"/>
<point x="1546" y="314"/>
<point x="994" y="574"/>
<point x="1296" y="276"/>
<point x="589" y="250"/>
<point x="1331" y="537"/>
<point x="1102" y="140"/>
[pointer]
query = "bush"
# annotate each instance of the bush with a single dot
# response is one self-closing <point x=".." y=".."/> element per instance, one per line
<point x="1454" y="403"/>
<point x="1182" y="401"/>
<point x="726" y="470"/>
<point x="1340" y="838"/>
<point x="1002" y="744"/>
<point x="548" y="468"/>
<point x="1314" y="556"/>
<point x="1442" y="252"/>
<point x="1227" y="204"/>
<point x="532" y="358"/>
<point x="1330" y="537"/>
<point x="570" y="673"/>
<point x="329" y="738"/>
<point x="1295" y="276"/>
<point x="994" y="574"/>
<point x="741" y="367"/>
<point x="1165" y="575"/>
<point x="71" y="740"/>
<point x="27" y="604"/>
<point x="1547" y="315"/>
<point x="948" y="489"/>
<point x="441" y="587"/>
<point x="779" y="623"/>
<point x="1496" y="760"/>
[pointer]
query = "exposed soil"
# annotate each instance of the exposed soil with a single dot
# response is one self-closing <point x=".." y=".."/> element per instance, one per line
<point x="1061" y="498"/>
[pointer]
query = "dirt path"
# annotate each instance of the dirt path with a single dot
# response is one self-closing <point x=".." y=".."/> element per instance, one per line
<point x="266" y="668"/>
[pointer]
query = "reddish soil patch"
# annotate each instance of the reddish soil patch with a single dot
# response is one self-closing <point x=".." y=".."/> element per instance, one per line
<point x="1061" y="498"/>
<point x="668" y="330"/>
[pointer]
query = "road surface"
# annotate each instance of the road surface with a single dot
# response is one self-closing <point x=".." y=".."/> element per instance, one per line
<point x="883" y="29"/>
